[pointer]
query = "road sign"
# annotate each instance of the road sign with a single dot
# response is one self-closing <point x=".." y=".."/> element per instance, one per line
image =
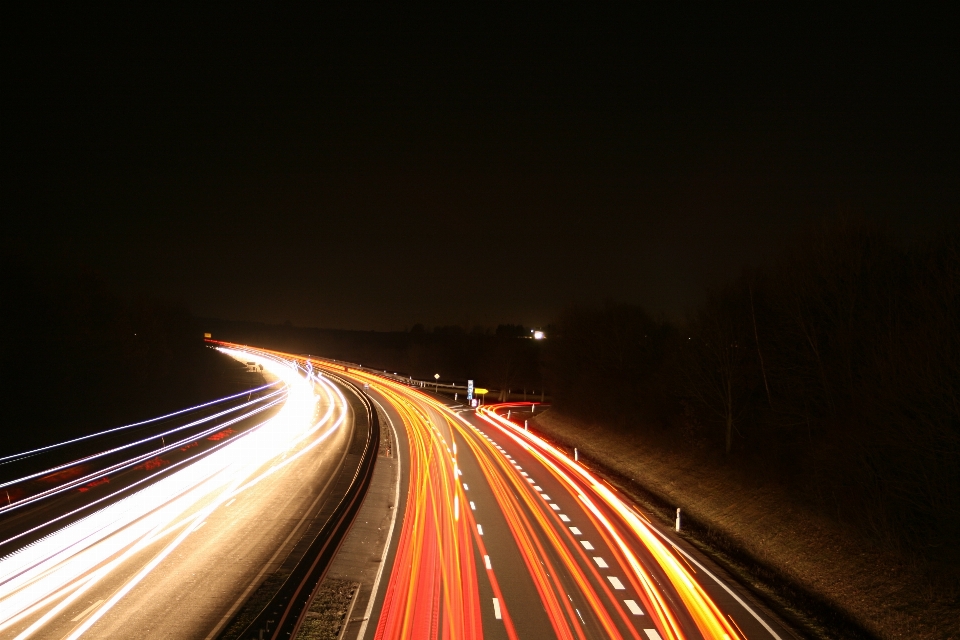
<point x="481" y="392"/>
<point x="469" y="390"/>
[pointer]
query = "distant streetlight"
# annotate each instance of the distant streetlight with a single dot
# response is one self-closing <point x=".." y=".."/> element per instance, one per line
<point x="436" y="388"/>
<point x="538" y="335"/>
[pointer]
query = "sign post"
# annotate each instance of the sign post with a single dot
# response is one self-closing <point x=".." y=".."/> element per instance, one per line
<point x="469" y="390"/>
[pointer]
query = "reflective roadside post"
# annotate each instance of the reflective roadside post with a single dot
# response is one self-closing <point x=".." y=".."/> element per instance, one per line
<point x="436" y="388"/>
<point x="678" y="518"/>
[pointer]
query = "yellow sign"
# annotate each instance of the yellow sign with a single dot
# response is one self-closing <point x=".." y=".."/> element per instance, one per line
<point x="480" y="392"/>
<point x="207" y="335"/>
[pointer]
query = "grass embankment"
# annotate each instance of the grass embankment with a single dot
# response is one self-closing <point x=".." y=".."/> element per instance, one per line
<point x="815" y="573"/>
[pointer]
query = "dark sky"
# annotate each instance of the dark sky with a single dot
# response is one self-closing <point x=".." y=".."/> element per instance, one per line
<point x="464" y="166"/>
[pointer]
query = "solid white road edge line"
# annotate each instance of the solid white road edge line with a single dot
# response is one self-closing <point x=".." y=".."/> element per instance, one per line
<point x="719" y="582"/>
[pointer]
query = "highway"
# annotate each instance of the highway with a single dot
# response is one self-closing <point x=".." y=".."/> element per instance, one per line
<point x="498" y="534"/>
<point x="175" y="553"/>
<point x="505" y="536"/>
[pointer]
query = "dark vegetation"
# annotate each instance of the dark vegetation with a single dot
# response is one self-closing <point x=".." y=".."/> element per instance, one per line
<point x="503" y="359"/>
<point x="834" y="372"/>
<point x="79" y="358"/>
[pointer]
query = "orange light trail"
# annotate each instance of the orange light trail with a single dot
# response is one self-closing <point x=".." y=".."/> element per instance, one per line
<point x="708" y="618"/>
<point x="433" y="587"/>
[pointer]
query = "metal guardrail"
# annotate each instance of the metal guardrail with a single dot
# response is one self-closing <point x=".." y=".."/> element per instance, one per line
<point x="283" y="615"/>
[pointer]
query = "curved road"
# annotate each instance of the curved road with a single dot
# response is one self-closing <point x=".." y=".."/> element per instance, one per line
<point x="504" y="536"/>
<point x="179" y="556"/>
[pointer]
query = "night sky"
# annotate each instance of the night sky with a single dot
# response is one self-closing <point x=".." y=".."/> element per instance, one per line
<point x="464" y="166"/>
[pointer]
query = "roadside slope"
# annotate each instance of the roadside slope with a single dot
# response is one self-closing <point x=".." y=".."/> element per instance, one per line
<point x="883" y="594"/>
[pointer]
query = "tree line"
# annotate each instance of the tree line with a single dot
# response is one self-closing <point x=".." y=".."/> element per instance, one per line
<point x="78" y="357"/>
<point x="504" y="358"/>
<point x="834" y="371"/>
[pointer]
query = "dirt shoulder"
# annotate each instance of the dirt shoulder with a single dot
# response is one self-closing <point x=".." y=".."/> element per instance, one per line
<point x="816" y="575"/>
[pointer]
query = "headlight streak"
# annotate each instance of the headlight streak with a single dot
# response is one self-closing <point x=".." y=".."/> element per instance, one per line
<point x="127" y="489"/>
<point x="71" y="561"/>
<point x="119" y="466"/>
<point x="24" y="454"/>
<point x="708" y="618"/>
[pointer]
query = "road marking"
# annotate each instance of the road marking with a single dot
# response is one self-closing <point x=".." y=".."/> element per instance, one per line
<point x="545" y="496"/>
<point x="575" y="531"/>
<point x="486" y="561"/>
<point x="200" y="525"/>
<point x="87" y="611"/>
<point x="530" y="480"/>
<point x="718" y="581"/>
<point x="564" y="518"/>
<point x="615" y="581"/>
<point x="600" y="562"/>
<point x="523" y="473"/>
<point x="634" y="608"/>
<point x="586" y="545"/>
<point x="496" y="609"/>
<point x="555" y="507"/>
<point x="232" y="500"/>
<point x="479" y="529"/>
<point x="537" y="488"/>
<point x="473" y="507"/>
<point x="465" y="487"/>
<point x="652" y="634"/>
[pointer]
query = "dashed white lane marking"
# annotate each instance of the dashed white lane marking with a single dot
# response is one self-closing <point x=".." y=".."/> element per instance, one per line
<point x="536" y="488"/>
<point x="600" y="562"/>
<point x="87" y="611"/>
<point x="465" y="487"/>
<point x="586" y="545"/>
<point x="564" y="518"/>
<point x="486" y="562"/>
<point x="555" y="507"/>
<point x="460" y="472"/>
<point x="479" y="529"/>
<point x="634" y="607"/>
<point x="473" y="507"/>
<point x="574" y="530"/>
<point x="652" y="634"/>
<point x="615" y="581"/>
<point x="496" y="609"/>
<point x="545" y="496"/>
<point x="524" y="473"/>
<point x="201" y="524"/>
<point x="232" y="500"/>
<point x="530" y="480"/>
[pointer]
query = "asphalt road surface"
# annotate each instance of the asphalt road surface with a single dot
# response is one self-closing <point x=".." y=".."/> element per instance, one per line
<point x="503" y="536"/>
<point x="177" y="557"/>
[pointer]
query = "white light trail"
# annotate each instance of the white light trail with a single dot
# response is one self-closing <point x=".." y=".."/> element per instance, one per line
<point x="51" y="573"/>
